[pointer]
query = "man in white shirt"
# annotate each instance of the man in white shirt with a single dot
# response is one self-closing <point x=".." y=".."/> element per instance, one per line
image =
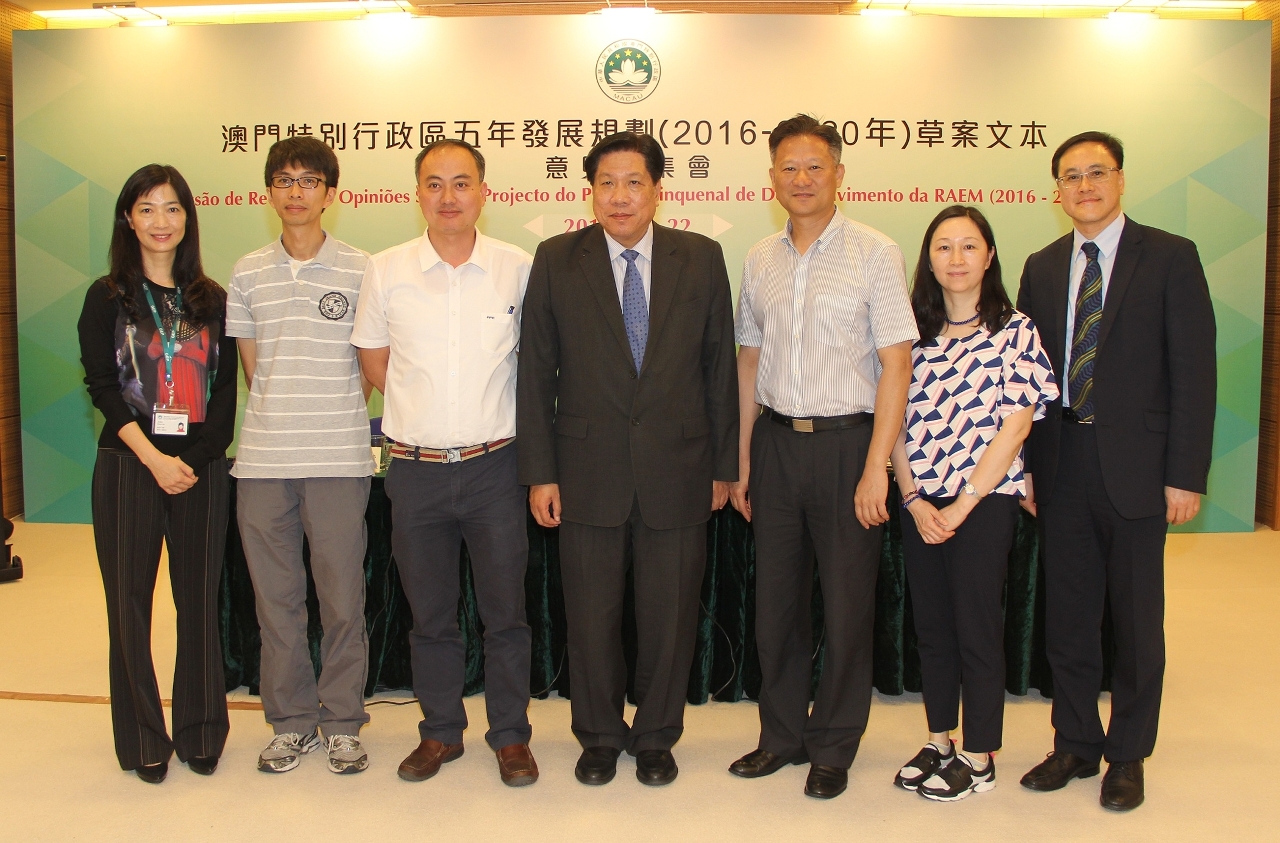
<point x="437" y="331"/>
<point x="825" y="330"/>
<point x="303" y="464"/>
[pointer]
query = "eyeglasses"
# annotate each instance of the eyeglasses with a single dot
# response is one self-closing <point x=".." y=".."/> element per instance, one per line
<point x="1098" y="175"/>
<point x="305" y="182"/>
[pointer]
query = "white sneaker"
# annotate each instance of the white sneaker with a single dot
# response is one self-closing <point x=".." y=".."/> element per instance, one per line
<point x="285" y="751"/>
<point x="958" y="779"/>
<point x="346" y="755"/>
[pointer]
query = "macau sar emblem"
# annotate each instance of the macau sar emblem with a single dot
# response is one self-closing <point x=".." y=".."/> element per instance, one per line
<point x="628" y="71"/>
<point x="334" y="306"/>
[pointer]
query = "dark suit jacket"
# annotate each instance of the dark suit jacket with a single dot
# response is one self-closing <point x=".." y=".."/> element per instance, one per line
<point x="1155" y="373"/>
<point x="588" y="421"/>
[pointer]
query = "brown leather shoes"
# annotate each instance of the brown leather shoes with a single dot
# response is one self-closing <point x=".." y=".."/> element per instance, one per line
<point x="424" y="762"/>
<point x="516" y="764"/>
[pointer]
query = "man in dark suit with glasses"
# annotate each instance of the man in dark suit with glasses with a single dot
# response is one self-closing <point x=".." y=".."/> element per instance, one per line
<point x="1125" y="316"/>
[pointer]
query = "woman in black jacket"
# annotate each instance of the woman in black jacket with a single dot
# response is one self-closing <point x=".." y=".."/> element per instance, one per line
<point x="162" y="373"/>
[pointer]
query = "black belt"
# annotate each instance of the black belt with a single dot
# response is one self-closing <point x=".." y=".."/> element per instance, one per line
<point x="819" y="423"/>
<point x="1072" y="417"/>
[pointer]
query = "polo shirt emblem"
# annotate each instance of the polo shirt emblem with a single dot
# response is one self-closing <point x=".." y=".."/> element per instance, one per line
<point x="334" y="306"/>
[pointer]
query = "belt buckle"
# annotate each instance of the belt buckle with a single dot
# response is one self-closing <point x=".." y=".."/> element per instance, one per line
<point x="802" y="425"/>
<point x="452" y="455"/>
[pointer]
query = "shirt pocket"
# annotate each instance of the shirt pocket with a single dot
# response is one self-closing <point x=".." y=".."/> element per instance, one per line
<point x="497" y="332"/>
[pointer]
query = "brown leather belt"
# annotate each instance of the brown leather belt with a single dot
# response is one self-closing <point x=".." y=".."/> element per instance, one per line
<point x="401" y="451"/>
<point x="819" y="423"/>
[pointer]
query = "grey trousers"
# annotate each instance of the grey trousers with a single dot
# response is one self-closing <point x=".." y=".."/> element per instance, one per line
<point x="273" y="514"/>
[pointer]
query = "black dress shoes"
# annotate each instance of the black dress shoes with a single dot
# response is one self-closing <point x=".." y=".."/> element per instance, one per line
<point x="1056" y="770"/>
<point x="203" y="764"/>
<point x="759" y="762"/>
<point x="153" y="773"/>
<point x="826" y="782"/>
<point x="656" y="767"/>
<point x="1122" y="786"/>
<point x="597" y="765"/>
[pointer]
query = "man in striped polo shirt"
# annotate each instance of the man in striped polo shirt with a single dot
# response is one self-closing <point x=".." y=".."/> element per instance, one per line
<point x="825" y="329"/>
<point x="304" y="463"/>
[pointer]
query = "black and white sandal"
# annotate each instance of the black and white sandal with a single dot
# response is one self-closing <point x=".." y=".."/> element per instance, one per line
<point x="958" y="779"/>
<point x="927" y="762"/>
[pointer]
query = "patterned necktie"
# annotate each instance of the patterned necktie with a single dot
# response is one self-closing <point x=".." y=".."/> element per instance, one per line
<point x="635" y="311"/>
<point x="1084" y="344"/>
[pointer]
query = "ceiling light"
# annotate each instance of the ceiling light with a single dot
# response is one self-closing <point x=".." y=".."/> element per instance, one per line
<point x="628" y="12"/>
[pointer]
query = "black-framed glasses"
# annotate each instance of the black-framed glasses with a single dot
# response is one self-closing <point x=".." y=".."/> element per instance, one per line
<point x="304" y="182"/>
<point x="1096" y="175"/>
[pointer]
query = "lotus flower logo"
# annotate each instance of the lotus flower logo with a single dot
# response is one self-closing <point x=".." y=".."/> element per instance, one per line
<point x="628" y="71"/>
<point x="630" y="75"/>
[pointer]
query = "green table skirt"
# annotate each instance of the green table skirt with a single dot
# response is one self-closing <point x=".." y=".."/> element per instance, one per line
<point x="725" y="664"/>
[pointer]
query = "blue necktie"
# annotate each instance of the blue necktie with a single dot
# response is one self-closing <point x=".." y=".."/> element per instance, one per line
<point x="635" y="311"/>
<point x="1084" y="343"/>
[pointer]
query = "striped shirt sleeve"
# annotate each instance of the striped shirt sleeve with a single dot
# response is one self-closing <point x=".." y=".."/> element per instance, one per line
<point x="239" y="319"/>
<point x="748" y="332"/>
<point x="892" y="319"/>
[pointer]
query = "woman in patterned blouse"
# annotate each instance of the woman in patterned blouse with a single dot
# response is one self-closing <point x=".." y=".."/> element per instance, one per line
<point x="979" y="378"/>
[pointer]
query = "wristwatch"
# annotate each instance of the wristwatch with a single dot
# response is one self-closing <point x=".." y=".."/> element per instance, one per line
<point x="971" y="490"/>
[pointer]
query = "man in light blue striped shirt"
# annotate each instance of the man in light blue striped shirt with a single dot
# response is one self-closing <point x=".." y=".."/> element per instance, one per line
<point x="825" y="329"/>
<point x="304" y="463"/>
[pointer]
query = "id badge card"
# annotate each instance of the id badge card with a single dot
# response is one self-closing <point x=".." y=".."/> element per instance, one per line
<point x="170" y="420"/>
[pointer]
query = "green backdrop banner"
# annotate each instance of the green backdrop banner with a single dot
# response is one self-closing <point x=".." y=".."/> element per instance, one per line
<point x="933" y="111"/>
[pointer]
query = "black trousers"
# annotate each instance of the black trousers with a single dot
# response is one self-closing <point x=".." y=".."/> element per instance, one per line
<point x="802" y="487"/>
<point x="957" y="591"/>
<point x="1093" y="556"/>
<point x="434" y="507"/>
<point x="131" y="516"/>
<point x="667" y="568"/>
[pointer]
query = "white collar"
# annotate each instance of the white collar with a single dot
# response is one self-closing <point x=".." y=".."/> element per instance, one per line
<point x="644" y="247"/>
<point x="1107" y="241"/>
<point x="480" y="254"/>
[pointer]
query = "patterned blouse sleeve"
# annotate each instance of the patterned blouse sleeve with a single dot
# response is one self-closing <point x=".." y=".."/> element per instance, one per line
<point x="1028" y="375"/>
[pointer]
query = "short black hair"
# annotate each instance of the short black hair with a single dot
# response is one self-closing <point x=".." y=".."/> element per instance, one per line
<point x="1111" y="142"/>
<point x="442" y="142"/>
<point x="803" y="124"/>
<point x="306" y="152"/>
<point x="655" y="162"/>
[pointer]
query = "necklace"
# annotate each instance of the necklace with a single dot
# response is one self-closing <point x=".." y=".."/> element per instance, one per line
<point x="963" y="321"/>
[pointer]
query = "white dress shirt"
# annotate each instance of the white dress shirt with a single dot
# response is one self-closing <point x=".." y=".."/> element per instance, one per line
<point x="1108" y="242"/>
<point x="644" y="262"/>
<point x="453" y="334"/>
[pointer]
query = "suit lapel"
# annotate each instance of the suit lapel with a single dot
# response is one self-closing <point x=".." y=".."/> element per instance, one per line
<point x="1121" y="274"/>
<point x="594" y="260"/>
<point x="663" y="280"/>
<point x="1060" y="289"/>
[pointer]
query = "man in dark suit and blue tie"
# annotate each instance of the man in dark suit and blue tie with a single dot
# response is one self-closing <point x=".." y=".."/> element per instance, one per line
<point x="1125" y="316"/>
<point x="627" y="412"/>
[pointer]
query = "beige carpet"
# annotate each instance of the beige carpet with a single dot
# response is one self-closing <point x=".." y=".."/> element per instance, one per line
<point x="1207" y="782"/>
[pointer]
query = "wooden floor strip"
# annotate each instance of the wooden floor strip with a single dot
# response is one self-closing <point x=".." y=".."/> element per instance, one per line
<point x="90" y="699"/>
